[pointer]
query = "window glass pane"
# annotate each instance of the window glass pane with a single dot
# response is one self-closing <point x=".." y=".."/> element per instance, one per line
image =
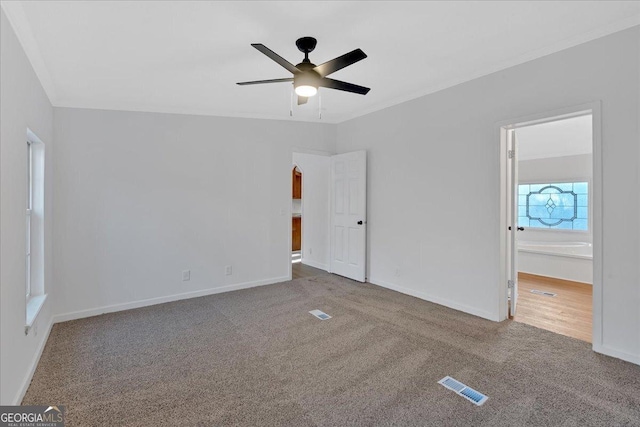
<point x="555" y="205"/>
<point x="29" y="176"/>
<point x="581" y="224"/>
<point x="538" y="199"/>
<point x="562" y="213"/>
<point x="28" y="217"/>
<point x="548" y="190"/>
<point x="523" y="189"/>
<point x="564" y="186"/>
<point x="537" y="212"/>
<point x="583" y="213"/>
<point x="564" y="200"/>
<point x="537" y="224"/>
<point x="583" y="200"/>
<point x="581" y="188"/>
<point x="564" y="226"/>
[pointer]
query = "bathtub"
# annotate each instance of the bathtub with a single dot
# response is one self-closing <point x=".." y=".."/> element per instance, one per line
<point x="563" y="260"/>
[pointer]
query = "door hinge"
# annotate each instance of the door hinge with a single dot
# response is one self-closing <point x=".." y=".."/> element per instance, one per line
<point x="511" y="153"/>
<point x="510" y="284"/>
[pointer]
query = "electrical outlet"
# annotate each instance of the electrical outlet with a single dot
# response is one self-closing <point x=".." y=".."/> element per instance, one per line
<point x="228" y="270"/>
<point x="186" y="275"/>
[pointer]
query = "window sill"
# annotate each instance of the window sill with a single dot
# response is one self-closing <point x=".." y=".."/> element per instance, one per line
<point x="33" y="308"/>
<point x="557" y="230"/>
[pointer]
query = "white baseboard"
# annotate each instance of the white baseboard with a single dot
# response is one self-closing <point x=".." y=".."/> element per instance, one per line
<point x="440" y="301"/>
<point x="161" y="300"/>
<point x="618" y="354"/>
<point x="315" y="264"/>
<point x="33" y="365"/>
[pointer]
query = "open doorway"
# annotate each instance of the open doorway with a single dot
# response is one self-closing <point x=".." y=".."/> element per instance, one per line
<point x="550" y="188"/>
<point x="296" y="215"/>
<point x="309" y="250"/>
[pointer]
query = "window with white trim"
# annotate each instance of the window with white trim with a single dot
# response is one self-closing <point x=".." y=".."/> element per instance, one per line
<point x="561" y="206"/>
<point x="34" y="230"/>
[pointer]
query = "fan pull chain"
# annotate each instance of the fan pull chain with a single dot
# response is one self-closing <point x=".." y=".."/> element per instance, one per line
<point x="291" y="103"/>
<point x="319" y="106"/>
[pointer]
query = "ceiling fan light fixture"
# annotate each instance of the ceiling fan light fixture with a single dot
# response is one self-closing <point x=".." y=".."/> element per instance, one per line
<point x="306" y="82"/>
<point x="306" y="90"/>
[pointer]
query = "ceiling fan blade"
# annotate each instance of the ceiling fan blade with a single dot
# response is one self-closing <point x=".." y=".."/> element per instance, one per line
<point x="340" y="85"/>
<point x="340" y="62"/>
<point x="302" y="100"/>
<point x="258" y="82"/>
<point x="277" y="58"/>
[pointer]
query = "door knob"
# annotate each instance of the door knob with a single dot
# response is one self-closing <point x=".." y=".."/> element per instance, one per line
<point x="520" y="228"/>
<point x="359" y="222"/>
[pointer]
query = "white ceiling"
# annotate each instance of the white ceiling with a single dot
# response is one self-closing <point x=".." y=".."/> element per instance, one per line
<point x="185" y="57"/>
<point x="568" y="137"/>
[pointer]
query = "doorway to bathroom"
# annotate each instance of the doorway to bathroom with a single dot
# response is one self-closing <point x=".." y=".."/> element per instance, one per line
<point x="296" y="214"/>
<point x="551" y="212"/>
<point x="309" y="244"/>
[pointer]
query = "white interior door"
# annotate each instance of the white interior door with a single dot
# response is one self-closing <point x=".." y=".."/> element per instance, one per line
<point x="512" y="203"/>
<point x="349" y="215"/>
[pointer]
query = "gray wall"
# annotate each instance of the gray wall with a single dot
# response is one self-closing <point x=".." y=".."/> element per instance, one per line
<point x="434" y="180"/>
<point x="23" y="104"/>
<point x="565" y="168"/>
<point x="142" y="196"/>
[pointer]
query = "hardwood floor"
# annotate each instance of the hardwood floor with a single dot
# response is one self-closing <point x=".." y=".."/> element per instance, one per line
<point x="568" y="313"/>
<point x="300" y="270"/>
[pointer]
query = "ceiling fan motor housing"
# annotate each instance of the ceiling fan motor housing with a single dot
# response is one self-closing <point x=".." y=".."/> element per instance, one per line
<point x="308" y="77"/>
<point x="306" y="44"/>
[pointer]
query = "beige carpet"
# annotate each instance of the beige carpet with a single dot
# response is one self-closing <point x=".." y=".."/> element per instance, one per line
<point x="257" y="358"/>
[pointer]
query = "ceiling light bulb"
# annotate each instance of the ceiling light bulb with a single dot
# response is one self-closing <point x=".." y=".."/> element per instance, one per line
<point x="306" y="90"/>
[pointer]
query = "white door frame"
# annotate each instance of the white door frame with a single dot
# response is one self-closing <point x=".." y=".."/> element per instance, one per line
<point x="500" y="134"/>
<point x="512" y="219"/>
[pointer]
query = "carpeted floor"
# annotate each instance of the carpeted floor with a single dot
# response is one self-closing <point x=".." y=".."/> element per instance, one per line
<point x="256" y="357"/>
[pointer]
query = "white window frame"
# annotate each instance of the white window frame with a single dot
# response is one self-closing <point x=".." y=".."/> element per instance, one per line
<point x="35" y="286"/>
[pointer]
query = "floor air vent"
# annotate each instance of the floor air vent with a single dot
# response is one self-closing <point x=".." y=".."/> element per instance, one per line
<point x="464" y="391"/>
<point x="545" y="293"/>
<point x="320" y="314"/>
